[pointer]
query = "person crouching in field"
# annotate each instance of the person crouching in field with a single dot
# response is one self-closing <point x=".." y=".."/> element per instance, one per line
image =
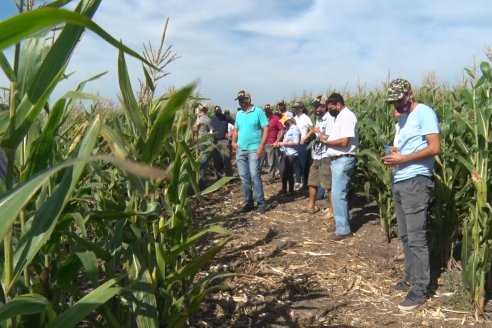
<point x="413" y="163"/>
<point x="288" y="150"/>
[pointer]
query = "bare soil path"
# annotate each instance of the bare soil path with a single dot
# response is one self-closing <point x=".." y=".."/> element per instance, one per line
<point x="290" y="274"/>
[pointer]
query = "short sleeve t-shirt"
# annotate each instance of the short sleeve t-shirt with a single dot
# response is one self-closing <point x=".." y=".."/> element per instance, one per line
<point x="325" y="124"/>
<point x="249" y="127"/>
<point x="204" y="125"/>
<point x="292" y="134"/>
<point x="413" y="127"/>
<point x="275" y="128"/>
<point x="345" y="126"/>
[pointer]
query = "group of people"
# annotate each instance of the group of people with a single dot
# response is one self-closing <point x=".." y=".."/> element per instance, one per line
<point x="334" y="141"/>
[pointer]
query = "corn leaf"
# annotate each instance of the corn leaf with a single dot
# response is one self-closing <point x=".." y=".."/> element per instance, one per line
<point x="24" y="305"/>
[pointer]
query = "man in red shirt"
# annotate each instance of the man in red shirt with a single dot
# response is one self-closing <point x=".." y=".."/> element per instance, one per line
<point x="277" y="131"/>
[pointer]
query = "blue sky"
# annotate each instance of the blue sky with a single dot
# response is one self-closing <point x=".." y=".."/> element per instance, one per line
<point x="278" y="49"/>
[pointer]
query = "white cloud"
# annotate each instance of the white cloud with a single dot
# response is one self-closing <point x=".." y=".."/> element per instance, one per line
<point x="279" y="48"/>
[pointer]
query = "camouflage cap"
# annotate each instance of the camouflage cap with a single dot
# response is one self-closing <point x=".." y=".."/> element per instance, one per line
<point x="281" y="103"/>
<point x="217" y="109"/>
<point x="268" y="107"/>
<point x="398" y="89"/>
<point x="243" y="94"/>
<point x="319" y="100"/>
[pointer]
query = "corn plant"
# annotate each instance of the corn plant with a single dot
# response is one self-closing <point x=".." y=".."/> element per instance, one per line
<point x="59" y="265"/>
<point x="477" y="228"/>
<point x="377" y="128"/>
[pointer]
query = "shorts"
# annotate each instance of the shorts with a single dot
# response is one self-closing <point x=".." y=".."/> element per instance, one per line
<point x="320" y="173"/>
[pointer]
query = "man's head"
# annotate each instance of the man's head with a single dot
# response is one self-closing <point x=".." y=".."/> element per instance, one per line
<point x="400" y="94"/>
<point x="202" y="109"/>
<point x="244" y="99"/>
<point x="282" y="107"/>
<point x="319" y="104"/>
<point x="268" y="110"/>
<point x="217" y="110"/>
<point x="299" y="108"/>
<point x="335" y="103"/>
<point x="290" y="119"/>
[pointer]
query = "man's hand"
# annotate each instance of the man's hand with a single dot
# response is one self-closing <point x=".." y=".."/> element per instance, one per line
<point x="234" y="145"/>
<point x="259" y="152"/>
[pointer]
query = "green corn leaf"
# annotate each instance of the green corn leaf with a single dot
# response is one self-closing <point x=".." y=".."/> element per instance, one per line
<point x="7" y="69"/>
<point x="86" y="305"/>
<point x="84" y="243"/>
<point x="89" y="261"/>
<point x="38" y="230"/>
<point x="60" y="52"/>
<point x="24" y="305"/>
<point x="14" y="29"/>
<point x="130" y="105"/>
<point x="114" y="141"/>
<point x="42" y="148"/>
<point x="197" y="263"/>
<point x="162" y="127"/>
<point x="217" y="185"/>
<point x="145" y="305"/>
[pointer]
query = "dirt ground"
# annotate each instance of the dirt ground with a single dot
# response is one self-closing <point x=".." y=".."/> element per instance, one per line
<point x="290" y="274"/>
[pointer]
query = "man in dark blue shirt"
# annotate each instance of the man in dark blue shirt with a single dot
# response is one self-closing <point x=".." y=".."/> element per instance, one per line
<point x="221" y="154"/>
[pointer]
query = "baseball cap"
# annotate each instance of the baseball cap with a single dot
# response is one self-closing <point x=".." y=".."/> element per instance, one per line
<point x="217" y="109"/>
<point x="268" y="107"/>
<point x="319" y="100"/>
<point x="289" y="115"/>
<point x="281" y="103"/>
<point x="398" y="89"/>
<point x="243" y="94"/>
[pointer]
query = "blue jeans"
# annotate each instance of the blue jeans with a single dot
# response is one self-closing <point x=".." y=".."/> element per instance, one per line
<point x="411" y="198"/>
<point x="248" y="165"/>
<point x="341" y="172"/>
<point x="302" y="164"/>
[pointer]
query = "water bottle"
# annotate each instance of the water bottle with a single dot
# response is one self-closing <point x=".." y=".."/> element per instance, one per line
<point x="389" y="153"/>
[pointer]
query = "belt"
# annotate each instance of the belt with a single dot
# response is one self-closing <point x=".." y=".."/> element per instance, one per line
<point x="340" y="156"/>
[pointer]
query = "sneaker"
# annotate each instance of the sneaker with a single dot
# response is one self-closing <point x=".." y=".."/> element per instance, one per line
<point x="297" y="186"/>
<point x="402" y="286"/>
<point x="412" y="301"/>
<point x="247" y="208"/>
<point x="341" y="237"/>
<point x="261" y="209"/>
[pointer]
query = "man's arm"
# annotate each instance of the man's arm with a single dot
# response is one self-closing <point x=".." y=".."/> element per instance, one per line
<point x="433" y="148"/>
<point x="342" y="142"/>
<point x="234" y="139"/>
<point x="264" y="137"/>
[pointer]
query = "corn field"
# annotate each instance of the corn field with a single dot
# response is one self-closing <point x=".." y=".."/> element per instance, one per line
<point x="97" y="220"/>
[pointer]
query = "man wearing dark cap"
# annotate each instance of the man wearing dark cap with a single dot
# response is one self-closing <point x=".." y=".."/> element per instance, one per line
<point x="412" y="162"/>
<point x="275" y="134"/>
<point x="248" y="139"/>
<point x="221" y="154"/>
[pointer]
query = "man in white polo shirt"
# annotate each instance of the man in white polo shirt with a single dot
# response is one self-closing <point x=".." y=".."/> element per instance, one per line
<point x="342" y="143"/>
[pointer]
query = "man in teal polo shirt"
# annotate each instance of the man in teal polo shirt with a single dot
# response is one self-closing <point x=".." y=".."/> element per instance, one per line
<point x="248" y="139"/>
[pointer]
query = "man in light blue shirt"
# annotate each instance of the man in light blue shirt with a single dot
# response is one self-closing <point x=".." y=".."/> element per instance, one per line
<point x="413" y="162"/>
<point x="248" y="139"/>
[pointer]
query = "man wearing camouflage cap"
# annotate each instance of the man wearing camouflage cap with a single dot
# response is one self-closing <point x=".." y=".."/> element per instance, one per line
<point x="412" y="161"/>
